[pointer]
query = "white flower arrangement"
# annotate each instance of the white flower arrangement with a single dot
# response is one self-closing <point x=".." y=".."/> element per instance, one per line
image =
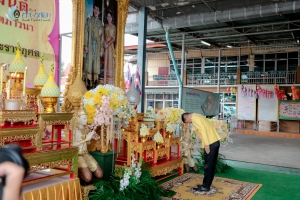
<point x="170" y="128"/>
<point x="125" y="180"/>
<point x="144" y="131"/>
<point x="158" y="138"/>
<point x="132" y="174"/>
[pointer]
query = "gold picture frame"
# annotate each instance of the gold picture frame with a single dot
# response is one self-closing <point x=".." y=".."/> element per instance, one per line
<point x="77" y="49"/>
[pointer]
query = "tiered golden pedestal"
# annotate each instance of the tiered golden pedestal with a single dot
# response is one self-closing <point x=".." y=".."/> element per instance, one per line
<point x="160" y="156"/>
<point x="13" y="116"/>
<point x="42" y="153"/>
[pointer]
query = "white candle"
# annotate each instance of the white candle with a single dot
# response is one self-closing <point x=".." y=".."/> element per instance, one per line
<point x="24" y="82"/>
<point x="8" y="89"/>
<point x="1" y="79"/>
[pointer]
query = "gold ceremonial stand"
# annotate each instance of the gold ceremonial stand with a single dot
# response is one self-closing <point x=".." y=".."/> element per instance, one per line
<point x="160" y="156"/>
<point x="20" y="126"/>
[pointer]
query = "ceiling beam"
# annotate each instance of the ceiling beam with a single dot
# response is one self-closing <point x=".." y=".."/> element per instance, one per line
<point x="257" y="29"/>
<point x="198" y="36"/>
<point x="208" y="6"/>
<point x="175" y="46"/>
<point x="240" y="31"/>
<point x="152" y="15"/>
<point x="238" y="35"/>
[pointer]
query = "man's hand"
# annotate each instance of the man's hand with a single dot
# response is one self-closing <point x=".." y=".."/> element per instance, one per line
<point x="101" y="54"/>
<point x="14" y="177"/>
<point x="86" y="49"/>
<point x="207" y="149"/>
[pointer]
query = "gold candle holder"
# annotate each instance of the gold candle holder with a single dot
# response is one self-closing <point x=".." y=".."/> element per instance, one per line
<point x="169" y="134"/>
<point x="50" y="102"/>
<point x="143" y="138"/>
<point x="32" y="97"/>
<point x="3" y="87"/>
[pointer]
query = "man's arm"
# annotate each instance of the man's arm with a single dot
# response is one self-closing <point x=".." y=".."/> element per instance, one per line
<point x="202" y="131"/>
<point x="14" y="177"/>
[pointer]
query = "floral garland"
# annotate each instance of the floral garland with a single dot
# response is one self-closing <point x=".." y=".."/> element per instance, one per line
<point x="222" y="129"/>
<point x="158" y="138"/>
<point x="103" y="113"/>
<point x="105" y="102"/>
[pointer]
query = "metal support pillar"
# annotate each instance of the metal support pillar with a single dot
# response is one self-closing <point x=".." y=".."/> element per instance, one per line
<point x="142" y="32"/>
<point x="203" y="65"/>
<point x="299" y="57"/>
<point x="182" y="66"/>
<point x="219" y="67"/>
<point x="175" y="67"/>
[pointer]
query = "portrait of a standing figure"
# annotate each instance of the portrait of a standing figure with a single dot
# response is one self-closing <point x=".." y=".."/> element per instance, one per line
<point x="93" y="48"/>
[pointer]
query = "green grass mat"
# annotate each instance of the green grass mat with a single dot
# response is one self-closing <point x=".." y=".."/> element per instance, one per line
<point x="275" y="186"/>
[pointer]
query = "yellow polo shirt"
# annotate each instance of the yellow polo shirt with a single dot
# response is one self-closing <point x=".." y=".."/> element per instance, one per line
<point x="206" y="131"/>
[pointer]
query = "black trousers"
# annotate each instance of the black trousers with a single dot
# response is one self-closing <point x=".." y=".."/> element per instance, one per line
<point x="210" y="163"/>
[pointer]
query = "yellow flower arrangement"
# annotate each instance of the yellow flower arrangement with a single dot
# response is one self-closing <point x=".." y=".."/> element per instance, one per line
<point x="170" y="115"/>
<point x="88" y="95"/>
<point x="94" y="102"/>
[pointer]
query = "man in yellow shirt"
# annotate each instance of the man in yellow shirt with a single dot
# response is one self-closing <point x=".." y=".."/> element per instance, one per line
<point x="211" y="144"/>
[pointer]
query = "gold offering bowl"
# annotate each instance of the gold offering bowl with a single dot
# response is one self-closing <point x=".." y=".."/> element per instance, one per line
<point x="39" y="87"/>
<point x="50" y="102"/>
<point x="17" y="75"/>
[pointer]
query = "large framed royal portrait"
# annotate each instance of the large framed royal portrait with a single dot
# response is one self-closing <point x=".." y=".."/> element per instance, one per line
<point x="100" y="36"/>
<point x="97" y="46"/>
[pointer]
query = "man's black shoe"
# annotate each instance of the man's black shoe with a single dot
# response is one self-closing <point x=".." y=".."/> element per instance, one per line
<point x="197" y="187"/>
<point x="202" y="189"/>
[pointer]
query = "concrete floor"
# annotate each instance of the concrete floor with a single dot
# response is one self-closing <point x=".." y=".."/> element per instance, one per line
<point x="283" y="152"/>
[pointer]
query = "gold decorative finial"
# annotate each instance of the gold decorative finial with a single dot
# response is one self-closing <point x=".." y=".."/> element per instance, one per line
<point x="18" y="46"/>
<point x="52" y="67"/>
<point x="81" y="110"/>
<point x="42" y="59"/>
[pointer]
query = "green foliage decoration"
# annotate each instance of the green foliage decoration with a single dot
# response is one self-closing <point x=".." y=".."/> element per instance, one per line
<point x="142" y="188"/>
